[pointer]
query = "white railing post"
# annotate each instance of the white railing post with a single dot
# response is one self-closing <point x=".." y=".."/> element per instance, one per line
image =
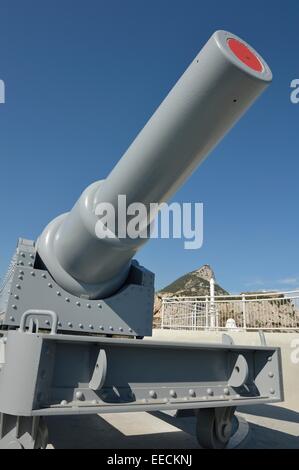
<point x="162" y="316"/>
<point x="193" y="321"/>
<point x="207" y="313"/>
<point x="244" y="311"/>
<point x="212" y="304"/>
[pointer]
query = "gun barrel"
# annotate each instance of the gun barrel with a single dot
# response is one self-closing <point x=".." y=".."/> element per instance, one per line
<point x="221" y="83"/>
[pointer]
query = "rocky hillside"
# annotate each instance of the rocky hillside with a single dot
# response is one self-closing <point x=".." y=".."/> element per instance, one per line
<point x="193" y="284"/>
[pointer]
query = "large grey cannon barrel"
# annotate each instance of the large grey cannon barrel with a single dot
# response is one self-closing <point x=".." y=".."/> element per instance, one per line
<point x="218" y="87"/>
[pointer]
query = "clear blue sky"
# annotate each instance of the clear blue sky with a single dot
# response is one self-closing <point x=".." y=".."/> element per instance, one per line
<point x="83" y="77"/>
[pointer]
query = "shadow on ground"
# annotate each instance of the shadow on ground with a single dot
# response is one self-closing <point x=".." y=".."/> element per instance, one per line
<point x="271" y="427"/>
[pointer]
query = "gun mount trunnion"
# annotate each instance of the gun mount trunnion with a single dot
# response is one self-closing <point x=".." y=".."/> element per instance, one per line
<point x="73" y="307"/>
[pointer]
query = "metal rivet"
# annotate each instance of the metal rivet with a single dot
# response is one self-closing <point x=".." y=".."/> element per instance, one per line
<point x="32" y="256"/>
<point x="21" y="272"/>
<point x="44" y="276"/>
<point x="94" y="402"/>
<point x="101" y="327"/>
<point x="173" y="394"/>
<point x="67" y="299"/>
<point x="111" y="328"/>
<point x="18" y="286"/>
<point x="50" y="285"/>
<point x="47" y="322"/>
<point x="78" y="304"/>
<point x="16" y="297"/>
<point x="70" y="324"/>
<point x="59" y="324"/>
<point x="23" y="255"/>
<point x="63" y="402"/>
<point x="58" y="293"/>
<point x="272" y="391"/>
<point x="14" y="307"/>
<point x="11" y="318"/>
<point x="100" y="305"/>
<point x="210" y="392"/>
<point x="88" y="306"/>
<point x="192" y="393"/>
<point x="32" y="273"/>
<point x="152" y="394"/>
<point x="271" y="375"/>
<point x="30" y="265"/>
<point x="121" y="329"/>
<point x="226" y="391"/>
<point x="21" y="278"/>
<point x="80" y="325"/>
<point x="270" y="359"/>
<point x="91" y="327"/>
<point x="130" y="330"/>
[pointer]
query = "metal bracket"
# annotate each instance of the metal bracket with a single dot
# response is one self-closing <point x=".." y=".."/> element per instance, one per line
<point x="42" y="313"/>
<point x="100" y="372"/>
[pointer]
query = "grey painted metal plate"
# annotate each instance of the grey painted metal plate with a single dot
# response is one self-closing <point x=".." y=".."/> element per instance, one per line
<point x="128" y="313"/>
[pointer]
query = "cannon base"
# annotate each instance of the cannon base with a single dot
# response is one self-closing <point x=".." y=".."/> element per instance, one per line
<point x="54" y="374"/>
<point x="29" y="286"/>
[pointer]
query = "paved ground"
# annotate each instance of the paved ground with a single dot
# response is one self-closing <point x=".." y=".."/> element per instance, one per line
<point x="270" y="427"/>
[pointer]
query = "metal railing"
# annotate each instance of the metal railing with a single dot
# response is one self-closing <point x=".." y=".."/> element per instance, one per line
<point x="272" y="311"/>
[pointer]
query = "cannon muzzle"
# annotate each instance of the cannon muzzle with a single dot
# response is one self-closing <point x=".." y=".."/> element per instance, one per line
<point x="221" y="83"/>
